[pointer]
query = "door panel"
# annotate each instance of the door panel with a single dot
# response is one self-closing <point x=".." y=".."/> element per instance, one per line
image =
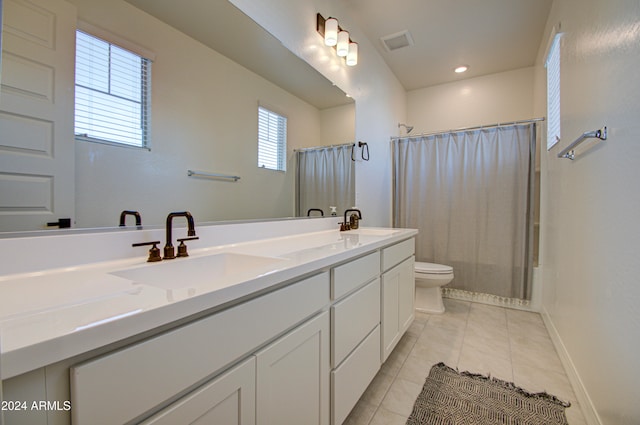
<point x="36" y="114"/>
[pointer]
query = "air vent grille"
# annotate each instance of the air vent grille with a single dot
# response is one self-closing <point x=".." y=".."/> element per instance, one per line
<point x="397" y="41"/>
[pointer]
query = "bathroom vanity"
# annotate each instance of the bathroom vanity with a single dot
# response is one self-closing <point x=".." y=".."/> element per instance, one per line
<point x="287" y="329"/>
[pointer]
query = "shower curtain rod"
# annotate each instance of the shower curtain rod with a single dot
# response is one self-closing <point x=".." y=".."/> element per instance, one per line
<point x="315" y="148"/>
<point x="479" y="127"/>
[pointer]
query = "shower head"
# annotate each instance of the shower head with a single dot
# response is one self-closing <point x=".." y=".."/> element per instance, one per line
<point x="408" y="128"/>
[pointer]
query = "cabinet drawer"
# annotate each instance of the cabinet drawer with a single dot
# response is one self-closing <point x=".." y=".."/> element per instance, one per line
<point x="352" y="319"/>
<point x="349" y="276"/>
<point x="397" y="253"/>
<point x="144" y="375"/>
<point x="349" y="381"/>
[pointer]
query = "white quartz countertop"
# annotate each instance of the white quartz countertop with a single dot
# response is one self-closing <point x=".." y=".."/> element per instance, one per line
<point x="51" y="315"/>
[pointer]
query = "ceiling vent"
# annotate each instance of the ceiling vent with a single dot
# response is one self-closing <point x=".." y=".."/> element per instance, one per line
<point x="397" y="41"/>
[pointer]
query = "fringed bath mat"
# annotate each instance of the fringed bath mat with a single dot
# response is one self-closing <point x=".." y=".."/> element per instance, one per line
<point x="450" y="397"/>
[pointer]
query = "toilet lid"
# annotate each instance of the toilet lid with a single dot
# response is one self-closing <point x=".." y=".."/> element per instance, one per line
<point x="421" y="267"/>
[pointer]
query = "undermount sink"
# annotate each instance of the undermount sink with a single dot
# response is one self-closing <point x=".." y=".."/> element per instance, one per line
<point x="215" y="269"/>
<point x="375" y="232"/>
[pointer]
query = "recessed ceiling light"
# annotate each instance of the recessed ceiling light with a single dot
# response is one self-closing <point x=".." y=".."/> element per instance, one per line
<point x="461" y="69"/>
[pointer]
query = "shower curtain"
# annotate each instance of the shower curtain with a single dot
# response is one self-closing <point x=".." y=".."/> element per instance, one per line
<point x="325" y="177"/>
<point x="470" y="194"/>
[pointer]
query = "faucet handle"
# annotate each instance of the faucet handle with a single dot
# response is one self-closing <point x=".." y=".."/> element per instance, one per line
<point x="154" y="252"/>
<point x="182" y="248"/>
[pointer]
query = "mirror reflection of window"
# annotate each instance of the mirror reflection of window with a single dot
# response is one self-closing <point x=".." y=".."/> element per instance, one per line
<point x="272" y="139"/>
<point x="113" y="87"/>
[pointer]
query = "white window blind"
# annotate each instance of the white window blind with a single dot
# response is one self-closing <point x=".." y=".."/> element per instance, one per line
<point x="113" y="93"/>
<point x="553" y="92"/>
<point x="272" y="139"/>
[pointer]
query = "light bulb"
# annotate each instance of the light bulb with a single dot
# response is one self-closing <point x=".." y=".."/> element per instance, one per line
<point x="331" y="32"/>
<point x="352" y="56"/>
<point x="343" y="43"/>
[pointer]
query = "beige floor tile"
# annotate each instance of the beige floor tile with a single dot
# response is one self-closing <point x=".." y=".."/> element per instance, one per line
<point x="441" y="334"/>
<point x="416" y="368"/>
<point x="361" y="414"/>
<point x="492" y="341"/>
<point x="534" y="380"/>
<point x="378" y="388"/>
<point x="401" y="397"/>
<point x="511" y="345"/>
<point x="386" y="417"/>
<point x="486" y="365"/>
<point x="574" y="415"/>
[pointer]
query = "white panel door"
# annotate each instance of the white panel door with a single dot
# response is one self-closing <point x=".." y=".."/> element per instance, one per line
<point x="398" y="293"/>
<point x="227" y="400"/>
<point x="292" y="383"/>
<point x="36" y="114"/>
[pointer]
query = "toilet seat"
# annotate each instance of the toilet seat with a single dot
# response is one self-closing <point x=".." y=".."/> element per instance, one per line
<point x="432" y="268"/>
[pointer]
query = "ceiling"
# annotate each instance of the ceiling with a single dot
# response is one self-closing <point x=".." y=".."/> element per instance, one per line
<point x="489" y="36"/>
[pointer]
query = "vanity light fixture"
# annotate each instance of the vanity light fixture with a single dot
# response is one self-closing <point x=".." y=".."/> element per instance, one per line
<point x="342" y="47"/>
<point x="352" y="56"/>
<point x="337" y="38"/>
<point x="331" y="32"/>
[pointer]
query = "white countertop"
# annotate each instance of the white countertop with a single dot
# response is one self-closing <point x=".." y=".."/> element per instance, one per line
<point x="47" y="316"/>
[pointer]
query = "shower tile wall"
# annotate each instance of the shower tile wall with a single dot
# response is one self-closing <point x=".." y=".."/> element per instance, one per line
<point x="508" y="344"/>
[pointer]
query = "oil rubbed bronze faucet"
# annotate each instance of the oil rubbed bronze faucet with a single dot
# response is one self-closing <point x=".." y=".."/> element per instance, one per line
<point x="125" y="213"/>
<point x="169" y="251"/>
<point x="352" y="223"/>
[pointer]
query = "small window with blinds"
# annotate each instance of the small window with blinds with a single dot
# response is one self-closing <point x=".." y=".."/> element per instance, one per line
<point x="272" y="139"/>
<point x="113" y="93"/>
<point x="553" y="92"/>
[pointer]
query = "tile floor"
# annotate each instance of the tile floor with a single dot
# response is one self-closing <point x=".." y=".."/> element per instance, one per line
<point x="512" y="345"/>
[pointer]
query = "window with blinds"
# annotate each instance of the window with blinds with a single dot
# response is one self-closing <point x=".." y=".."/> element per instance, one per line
<point x="272" y="140"/>
<point x="113" y="93"/>
<point x="553" y="92"/>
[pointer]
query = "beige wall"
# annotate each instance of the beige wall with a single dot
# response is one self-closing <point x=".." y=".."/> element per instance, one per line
<point x="204" y="118"/>
<point x="490" y="99"/>
<point x="380" y="99"/>
<point x="337" y="125"/>
<point x="590" y="234"/>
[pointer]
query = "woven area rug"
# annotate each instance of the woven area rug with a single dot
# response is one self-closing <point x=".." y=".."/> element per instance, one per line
<point x="451" y="397"/>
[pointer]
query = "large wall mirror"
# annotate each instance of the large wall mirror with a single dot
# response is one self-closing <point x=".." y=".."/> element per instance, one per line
<point x="212" y="67"/>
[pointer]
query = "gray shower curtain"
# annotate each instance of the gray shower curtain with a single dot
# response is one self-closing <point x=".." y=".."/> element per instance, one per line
<point x="325" y="177"/>
<point x="470" y="194"/>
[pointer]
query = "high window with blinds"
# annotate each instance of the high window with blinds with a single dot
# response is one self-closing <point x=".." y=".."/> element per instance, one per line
<point x="113" y="93"/>
<point x="553" y="92"/>
<point x="272" y="140"/>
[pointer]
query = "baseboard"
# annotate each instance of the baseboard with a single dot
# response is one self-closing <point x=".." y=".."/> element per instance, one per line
<point x="588" y="409"/>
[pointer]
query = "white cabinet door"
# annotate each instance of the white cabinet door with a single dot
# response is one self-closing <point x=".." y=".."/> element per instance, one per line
<point x="227" y="400"/>
<point x="36" y="114"/>
<point x="292" y="382"/>
<point x="398" y="292"/>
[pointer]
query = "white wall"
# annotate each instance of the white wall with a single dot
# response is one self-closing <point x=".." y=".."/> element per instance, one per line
<point x="590" y="223"/>
<point x="490" y="99"/>
<point x="204" y="118"/>
<point x="380" y="99"/>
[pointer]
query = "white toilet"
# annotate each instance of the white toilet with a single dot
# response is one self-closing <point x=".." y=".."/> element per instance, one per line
<point x="429" y="278"/>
